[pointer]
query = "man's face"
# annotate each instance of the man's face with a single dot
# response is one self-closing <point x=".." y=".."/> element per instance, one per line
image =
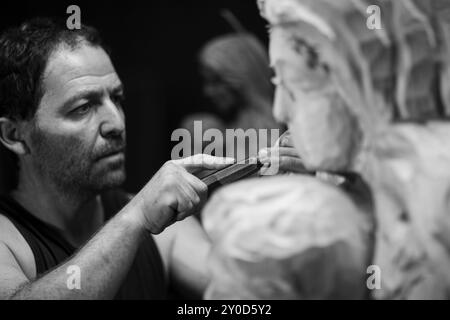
<point x="77" y="137"/>
<point x="324" y="131"/>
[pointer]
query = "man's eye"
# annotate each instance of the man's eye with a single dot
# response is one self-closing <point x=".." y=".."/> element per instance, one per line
<point x="118" y="99"/>
<point x="82" y="110"/>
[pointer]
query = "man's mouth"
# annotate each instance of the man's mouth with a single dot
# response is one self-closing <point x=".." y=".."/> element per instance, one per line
<point x="118" y="153"/>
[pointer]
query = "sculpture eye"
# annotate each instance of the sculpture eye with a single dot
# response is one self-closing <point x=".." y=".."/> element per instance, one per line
<point x="310" y="54"/>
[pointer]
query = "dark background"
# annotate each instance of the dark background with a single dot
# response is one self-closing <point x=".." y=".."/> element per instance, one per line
<point x="154" y="48"/>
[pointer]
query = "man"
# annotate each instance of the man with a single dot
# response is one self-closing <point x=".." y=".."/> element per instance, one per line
<point x="61" y="115"/>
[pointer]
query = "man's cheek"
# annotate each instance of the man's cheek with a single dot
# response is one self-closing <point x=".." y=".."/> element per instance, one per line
<point x="69" y="146"/>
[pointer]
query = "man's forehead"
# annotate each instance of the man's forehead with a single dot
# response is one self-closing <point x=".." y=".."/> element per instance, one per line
<point x="85" y="65"/>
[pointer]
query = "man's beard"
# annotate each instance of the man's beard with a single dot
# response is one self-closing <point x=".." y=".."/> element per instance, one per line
<point x="74" y="168"/>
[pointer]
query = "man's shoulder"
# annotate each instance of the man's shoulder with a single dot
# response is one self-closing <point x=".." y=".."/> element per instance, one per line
<point x="9" y="232"/>
<point x="11" y="237"/>
<point x="7" y="228"/>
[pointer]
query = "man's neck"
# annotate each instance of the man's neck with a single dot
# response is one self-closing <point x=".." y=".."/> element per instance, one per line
<point x="78" y="215"/>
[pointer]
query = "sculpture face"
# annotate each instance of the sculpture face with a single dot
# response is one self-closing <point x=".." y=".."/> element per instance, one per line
<point x="325" y="132"/>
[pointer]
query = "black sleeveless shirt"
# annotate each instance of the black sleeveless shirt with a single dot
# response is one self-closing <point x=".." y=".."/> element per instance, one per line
<point x="146" y="277"/>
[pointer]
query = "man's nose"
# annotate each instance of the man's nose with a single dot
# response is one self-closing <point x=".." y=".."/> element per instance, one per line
<point x="113" y="120"/>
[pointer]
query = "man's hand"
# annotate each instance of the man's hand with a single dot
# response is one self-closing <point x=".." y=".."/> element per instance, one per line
<point x="174" y="193"/>
<point x="284" y="155"/>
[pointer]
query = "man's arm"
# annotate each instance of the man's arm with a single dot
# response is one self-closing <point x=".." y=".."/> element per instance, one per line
<point x="171" y="195"/>
<point x="185" y="248"/>
<point x="103" y="262"/>
<point x="11" y="274"/>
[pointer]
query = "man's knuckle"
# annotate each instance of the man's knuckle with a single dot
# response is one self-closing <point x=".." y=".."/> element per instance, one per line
<point x="203" y="188"/>
<point x="172" y="178"/>
<point x="170" y="165"/>
<point x="186" y="206"/>
<point x="196" y="200"/>
<point x="167" y="199"/>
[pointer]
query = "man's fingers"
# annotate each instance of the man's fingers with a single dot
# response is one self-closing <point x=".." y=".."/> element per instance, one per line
<point x="189" y="197"/>
<point x="266" y="155"/>
<point x="284" y="164"/>
<point x="292" y="164"/>
<point x="198" y="186"/>
<point x="183" y="215"/>
<point x="285" y="140"/>
<point x="204" y="161"/>
<point x="289" y="152"/>
<point x="193" y="195"/>
<point x="286" y="159"/>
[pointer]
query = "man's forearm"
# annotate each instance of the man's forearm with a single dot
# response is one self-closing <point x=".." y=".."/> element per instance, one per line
<point x="103" y="263"/>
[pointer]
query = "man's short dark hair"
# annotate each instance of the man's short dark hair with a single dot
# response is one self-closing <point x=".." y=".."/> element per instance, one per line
<point x="24" y="54"/>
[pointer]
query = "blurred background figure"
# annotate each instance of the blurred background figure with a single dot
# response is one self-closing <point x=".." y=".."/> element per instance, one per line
<point x="237" y="85"/>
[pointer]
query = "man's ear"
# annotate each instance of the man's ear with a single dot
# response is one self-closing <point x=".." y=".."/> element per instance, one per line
<point x="11" y="136"/>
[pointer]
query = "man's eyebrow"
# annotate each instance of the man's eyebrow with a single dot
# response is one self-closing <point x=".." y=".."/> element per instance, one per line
<point x="118" y="90"/>
<point x="92" y="94"/>
<point x="84" y="94"/>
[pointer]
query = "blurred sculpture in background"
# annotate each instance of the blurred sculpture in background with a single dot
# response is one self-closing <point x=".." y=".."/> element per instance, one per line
<point x="376" y="102"/>
<point x="237" y="82"/>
